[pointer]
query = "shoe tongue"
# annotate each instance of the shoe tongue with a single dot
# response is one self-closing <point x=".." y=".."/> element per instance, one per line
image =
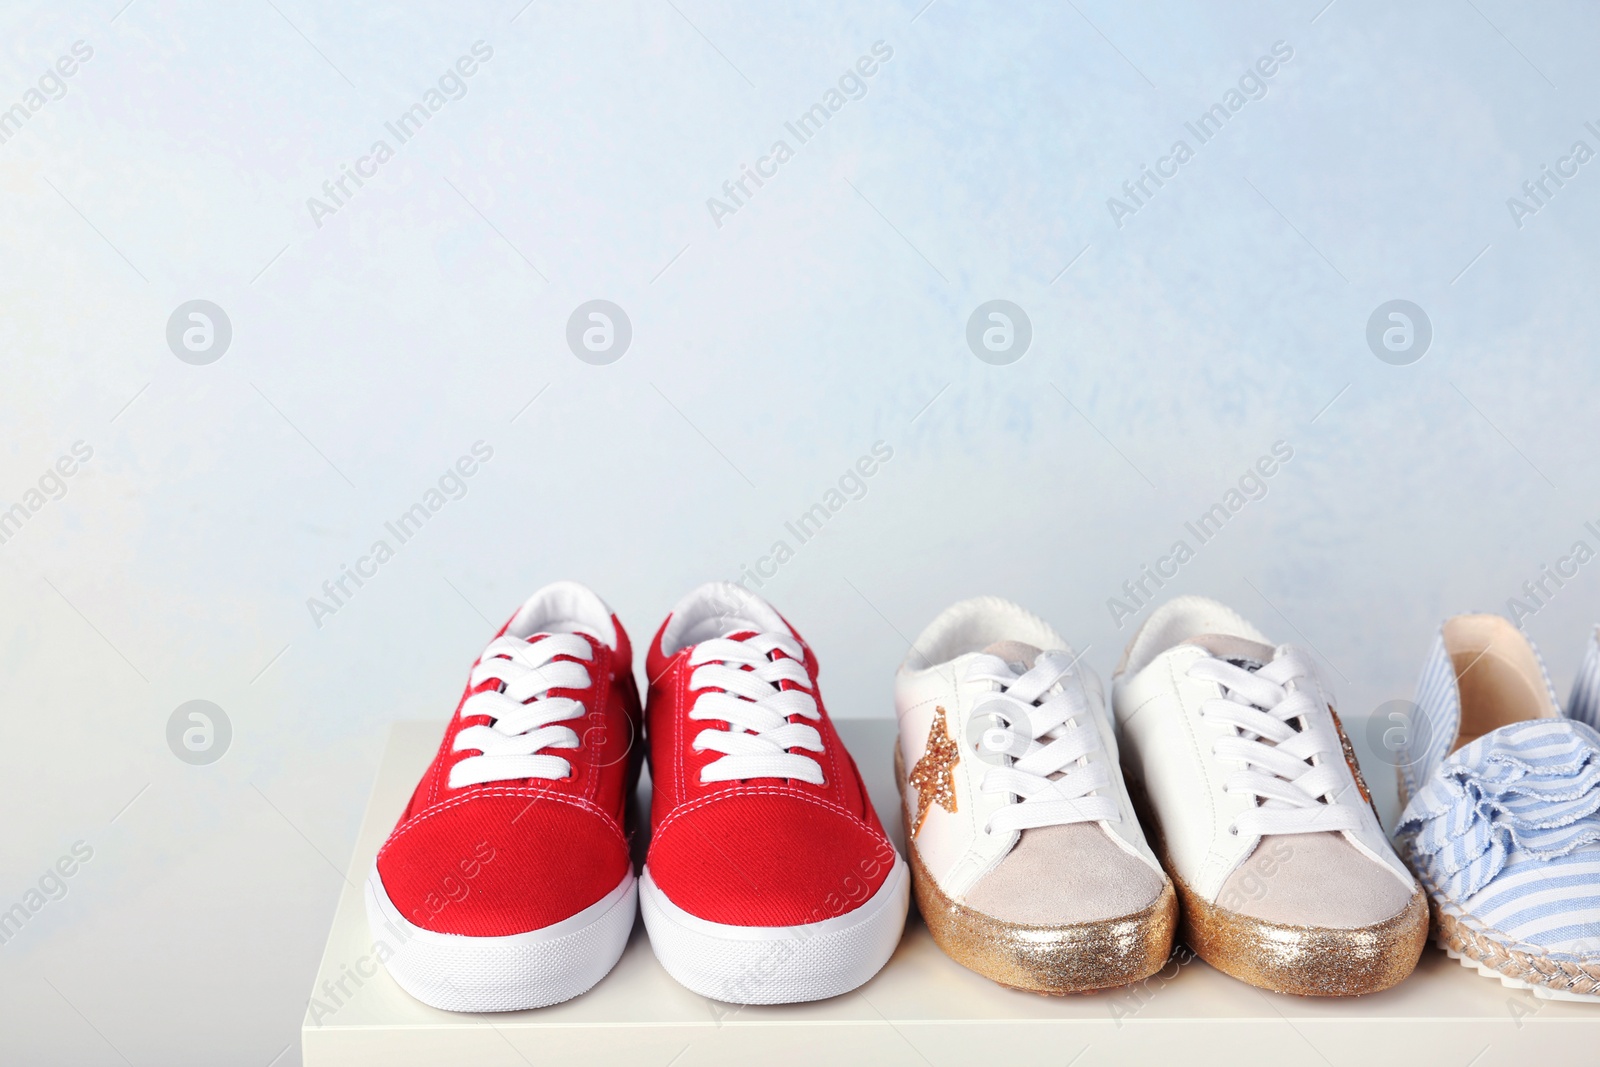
<point x="1240" y="651"/>
<point x="1018" y="655"/>
<point x="741" y="630"/>
<point x="566" y="628"/>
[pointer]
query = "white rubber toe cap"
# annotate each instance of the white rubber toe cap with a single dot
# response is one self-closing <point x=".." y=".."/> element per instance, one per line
<point x="531" y="970"/>
<point x="777" y="964"/>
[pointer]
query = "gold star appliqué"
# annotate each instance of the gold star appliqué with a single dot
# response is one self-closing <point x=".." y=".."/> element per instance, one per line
<point x="931" y="775"/>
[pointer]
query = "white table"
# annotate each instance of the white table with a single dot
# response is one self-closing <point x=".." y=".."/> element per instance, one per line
<point x="922" y="1008"/>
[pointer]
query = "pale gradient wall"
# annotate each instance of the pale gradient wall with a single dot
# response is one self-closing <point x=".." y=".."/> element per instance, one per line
<point x="825" y="315"/>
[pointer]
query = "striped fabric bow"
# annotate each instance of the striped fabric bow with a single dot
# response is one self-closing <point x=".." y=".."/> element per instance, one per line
<point x="1529" y="790"/>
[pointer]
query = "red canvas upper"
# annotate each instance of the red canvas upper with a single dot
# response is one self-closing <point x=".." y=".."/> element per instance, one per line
<point x="762" y="851"/>
<point x="508" y="857"/>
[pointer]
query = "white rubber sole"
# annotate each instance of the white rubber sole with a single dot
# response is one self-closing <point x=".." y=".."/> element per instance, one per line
<point x="777" y="964"/>
<point x="531" y="970"/>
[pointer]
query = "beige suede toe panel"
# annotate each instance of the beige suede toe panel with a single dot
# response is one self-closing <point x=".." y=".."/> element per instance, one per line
<point x="1315" y="879"/>
<point x="1062" y="875"/>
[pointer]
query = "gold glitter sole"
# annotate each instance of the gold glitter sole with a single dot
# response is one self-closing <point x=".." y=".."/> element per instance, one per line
<point x="1056" y="960"/>
<point x="1307" y="961"/>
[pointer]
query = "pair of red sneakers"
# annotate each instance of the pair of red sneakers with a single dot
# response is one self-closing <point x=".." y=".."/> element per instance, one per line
<point x="508" y="882"/>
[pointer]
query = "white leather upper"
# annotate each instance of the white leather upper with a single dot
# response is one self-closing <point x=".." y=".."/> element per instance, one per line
<point x="1167" y="749"/>
<point x="953" y="846"/>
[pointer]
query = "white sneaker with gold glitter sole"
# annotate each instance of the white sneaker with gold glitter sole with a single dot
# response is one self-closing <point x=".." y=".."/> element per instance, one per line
<point x="1027" y="860"/>
<point x="1251" y="794"/>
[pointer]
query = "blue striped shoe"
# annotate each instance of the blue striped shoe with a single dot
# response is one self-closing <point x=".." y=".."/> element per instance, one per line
<point x="1584" y="704"/>
<point x="1502" y="810"/>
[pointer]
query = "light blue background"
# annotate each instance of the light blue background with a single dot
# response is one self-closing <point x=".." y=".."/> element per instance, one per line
<point x="768" y="354"/>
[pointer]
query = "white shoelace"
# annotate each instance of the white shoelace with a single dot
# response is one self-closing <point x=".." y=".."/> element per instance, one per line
<point x="1044" y="739"/>
<point x="526" y="719"/>
<point x="759" y="735"/>
<point x="1293" y="773"/>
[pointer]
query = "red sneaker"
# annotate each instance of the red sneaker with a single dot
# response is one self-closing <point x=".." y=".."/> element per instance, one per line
<point x="507" y="883"/>
<point x="769" y="878"/>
